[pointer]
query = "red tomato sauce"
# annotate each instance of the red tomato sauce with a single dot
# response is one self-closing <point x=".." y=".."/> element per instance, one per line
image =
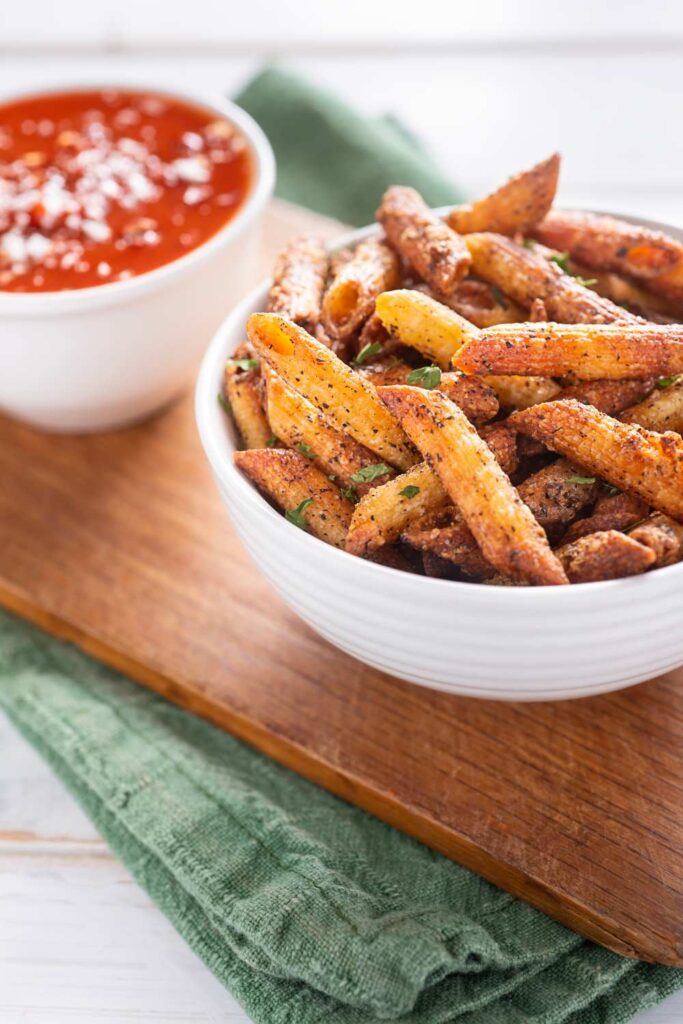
<point x="103" y="186"/>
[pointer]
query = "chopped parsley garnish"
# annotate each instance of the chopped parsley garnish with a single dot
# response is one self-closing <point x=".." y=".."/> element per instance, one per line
<point x="306" y="450"/>
<point x="586" y="282"/>
<point x="369" y="473"/>
<point x="410" y="491"/>
<point x="562" y="259"/>
<point x="425" y="377"/>
<point x="271" y="442"/>
<point x="224" y="403"/>
<point x="350" y="493"/>
<point x="332" y="477"/>
<point x="611" y="490"/>
<point x="528" y="243"/>
<point x="580" y="479"/>
<point x="244" y="364"/>
<point x="295" y="515"/>
<point x="371" y="349"/>
<point x="499" y="297"/>
<point x="665" y="382"/>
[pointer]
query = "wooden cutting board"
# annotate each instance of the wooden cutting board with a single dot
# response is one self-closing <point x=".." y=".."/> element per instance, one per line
<point x="119" y="543"/>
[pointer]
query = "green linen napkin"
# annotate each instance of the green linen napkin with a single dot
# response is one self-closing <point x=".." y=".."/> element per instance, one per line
<point x="306" y="908"/>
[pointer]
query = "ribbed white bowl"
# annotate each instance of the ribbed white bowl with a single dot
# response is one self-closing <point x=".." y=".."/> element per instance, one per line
<point x="500" y="643"/>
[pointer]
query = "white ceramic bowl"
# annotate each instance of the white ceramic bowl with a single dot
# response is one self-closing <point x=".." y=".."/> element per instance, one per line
<point x="102" y="357"/>
<point x="501" y="643"/>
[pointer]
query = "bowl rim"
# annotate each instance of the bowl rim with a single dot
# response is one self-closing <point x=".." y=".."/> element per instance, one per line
<point x="210" y="419"/>
<point x="260" y="191"/>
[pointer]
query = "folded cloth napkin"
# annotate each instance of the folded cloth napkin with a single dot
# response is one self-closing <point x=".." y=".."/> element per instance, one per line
<point x="306" y="908"/>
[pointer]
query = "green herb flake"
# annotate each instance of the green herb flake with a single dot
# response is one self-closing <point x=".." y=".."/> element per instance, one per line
<point x="528" y="243"/>
<point x="562" y="259"/>
<point x="371" y="349"/>
<point x="306" y="450"/>
<point x="272" y="442"/>
<point x="295" y="515"/>
<point x="585" y="282"/>
<point x="369" y="473"/>
<point x="350" y="493"/>
<point x="243" y="364"/>
<point x="499" y="297"/>
<point x="224" y="403"/>
<point x="427" y="377"/>
<point x="580" y="479"/>
<point x="665" y="382"/>
<point x="332" y="477"/>
<point x="410" y="491"/>
<point x="611" y="490"/>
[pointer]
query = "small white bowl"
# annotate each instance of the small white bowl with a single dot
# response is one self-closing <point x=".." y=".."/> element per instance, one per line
<point x="103" y="357"/>
<point x="500" y="643"/>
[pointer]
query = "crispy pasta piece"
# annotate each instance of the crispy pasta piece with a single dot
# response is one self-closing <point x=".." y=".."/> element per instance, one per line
<point x="242" y="392"/>
<point x="606" y="243"/>
<point x="631" y="458"/>
<point x="555" y="495"/>
<point x="604" y="556"/>
<point x="299" y="425"/>
<point x="350" y="296"/>
<point x="516" y="392"/>
<point x="381" y="516"/>
<point x="304" y="493"/>
<point x="663" y="410"/>
<point x="505" y="529"/>
<point x="298" y="281"/>
<point x="434" y="250"/>
<point x="483" y="304"/>
<point x="475" y="397"/>
<point x="612" y="512"/>
<point x="584" y="351"/>
<point x="421" y="322"/>
<point x="525" y="275"/>
<point x="662" y="535"/>
<point x="345" y="398"/>
<point x="516" y="206"/>
<point x="609" y="396"/>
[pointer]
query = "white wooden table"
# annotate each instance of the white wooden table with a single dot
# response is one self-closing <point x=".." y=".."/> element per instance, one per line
<point x="490" y="87"/>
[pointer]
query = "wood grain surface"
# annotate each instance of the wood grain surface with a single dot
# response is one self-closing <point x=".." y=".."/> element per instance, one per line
<point x="119" y="543"/>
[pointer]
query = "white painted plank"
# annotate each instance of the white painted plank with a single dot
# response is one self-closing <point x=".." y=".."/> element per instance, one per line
<point x="337" y="23"/>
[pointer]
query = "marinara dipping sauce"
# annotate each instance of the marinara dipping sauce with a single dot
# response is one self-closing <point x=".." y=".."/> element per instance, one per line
<point x="103" y="186"/>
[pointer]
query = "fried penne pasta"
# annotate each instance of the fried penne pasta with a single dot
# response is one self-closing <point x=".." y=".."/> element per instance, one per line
<point x="609" y="396"/>
<point x="345" y="398"/>
<point x="432" y="249"/>
<point x="525" y="275"/>
<point x="306" y="496"/>
<point x="381" y="516"/>
<point x="474" y="396"/>
<point x="242" y="392"/>
<point x="555" y="495"/>
<point x="516" y="392"/>
<point x="631" y="458"/>
<point x="386" y="372"/>
<point x="626" y="293"/>
<point x="584" y="351"/>
<point x="350" y="296"/>
<point x="298" y="281"/>
<point x="662" y="410"/>
<point x="417" y="320"/>
<point x="612" y="512"/>
<point x="663" y="535"/>
<point x="297" y="423"/>
<point x="516" y="206"/>
<point x="483" y="304"/>
<point x="604" y="556"/>
<point x="606" y="243"/>
<point x="504" y="528"/>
